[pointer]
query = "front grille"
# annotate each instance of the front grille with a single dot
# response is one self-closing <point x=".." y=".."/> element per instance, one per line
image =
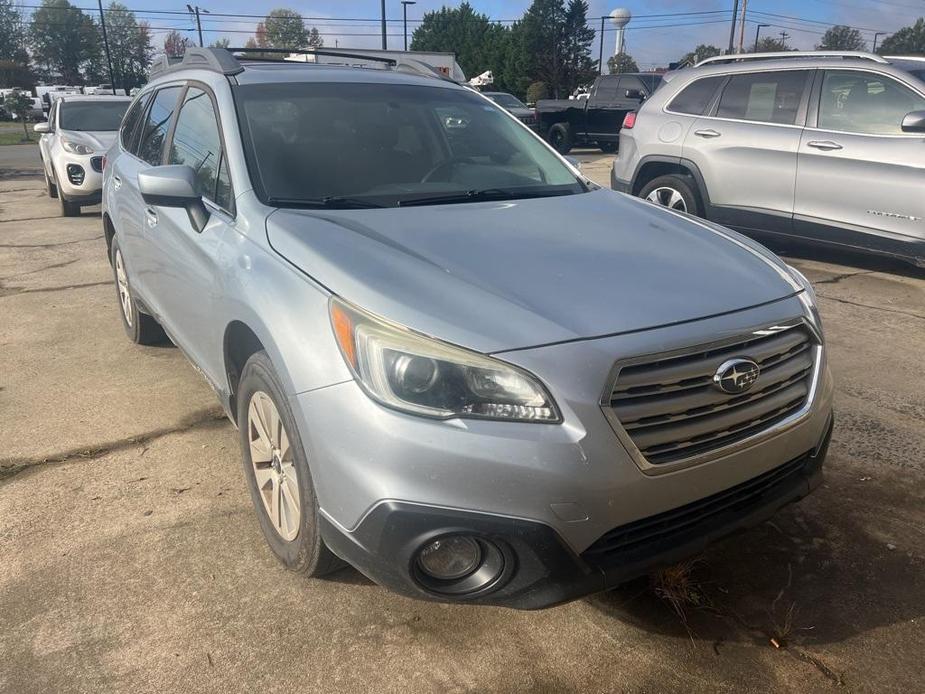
<point x="97" y="164"/>
<point x="649" y="535"/>
<point x="671" y="410"/>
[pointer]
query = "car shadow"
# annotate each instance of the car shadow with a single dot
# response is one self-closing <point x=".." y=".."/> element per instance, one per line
<point x="851" y="258"/>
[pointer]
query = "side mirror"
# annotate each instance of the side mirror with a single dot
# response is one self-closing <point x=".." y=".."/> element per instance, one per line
<point x="914" y="122"/>
<point x="574" y="162"/>
<point x="174" y="186"/>
<point x="635" y="94"/>
<point x="42" y="128"/>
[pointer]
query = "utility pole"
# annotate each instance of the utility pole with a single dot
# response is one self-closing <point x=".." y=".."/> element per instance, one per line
<point x="783" y="40"/>
<point x="196" y="10"/>
<point x="600" y="60"/>
<point x="112" y="79"/>
<point x="384" y="43"/>
<point x="742" y="27"/>
<point x="732" y="25"/>
<point x="404" y="13"/>
<point x="758" y="31"/>
<point x="876" y="36"/>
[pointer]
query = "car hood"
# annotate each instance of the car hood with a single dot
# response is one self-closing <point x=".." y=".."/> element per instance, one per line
<point x="495" y="276"/>
<point x="100" y="140"/>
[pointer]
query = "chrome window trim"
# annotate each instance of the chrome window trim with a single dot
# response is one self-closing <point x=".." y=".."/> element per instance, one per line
<point x="771" y="432"/>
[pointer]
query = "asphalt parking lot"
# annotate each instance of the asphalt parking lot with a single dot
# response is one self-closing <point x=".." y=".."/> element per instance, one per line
<point x="131" y="558"/>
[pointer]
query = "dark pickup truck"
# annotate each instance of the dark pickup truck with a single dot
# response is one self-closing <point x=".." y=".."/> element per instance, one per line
<point x="597" y="119"/>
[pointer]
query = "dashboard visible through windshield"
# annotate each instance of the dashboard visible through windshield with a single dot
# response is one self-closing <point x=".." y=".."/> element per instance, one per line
<point x="384" y="145"/>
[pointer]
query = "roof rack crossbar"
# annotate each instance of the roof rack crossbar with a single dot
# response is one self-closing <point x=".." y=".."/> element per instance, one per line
<point x="215" y="59"/>
<point x="741" y="57"/>
<point x="283" y="52"/>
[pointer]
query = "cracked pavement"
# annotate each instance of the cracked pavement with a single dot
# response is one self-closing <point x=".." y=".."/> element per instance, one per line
<point x="131" y="559"/>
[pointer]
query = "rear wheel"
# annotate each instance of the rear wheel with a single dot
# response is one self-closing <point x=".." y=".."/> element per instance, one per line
<point x="141" y="328"/>
<point x="608" y="147"/>
<point x="560" y="137"/>
<point x="673" y="191"/>
<point x="277" y="472"/>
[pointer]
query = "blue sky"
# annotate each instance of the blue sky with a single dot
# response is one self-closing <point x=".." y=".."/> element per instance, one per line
<point x="650" y="44"/>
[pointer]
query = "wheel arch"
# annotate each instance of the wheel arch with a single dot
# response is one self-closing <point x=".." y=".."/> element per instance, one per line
<point x="652" y="167"/>
<point x="109" y="233"/>
<point x="239" y="343"/>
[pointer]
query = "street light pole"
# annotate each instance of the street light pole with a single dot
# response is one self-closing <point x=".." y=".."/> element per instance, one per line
<point x="404" y="12"/>
<point x="876" y="36"/>
<point x="758" y="31"/>
<point x="732" y="25"/>
<point x="196" y="10"/>
<point x="384" y="44"/>
<point x="112" y="79"/>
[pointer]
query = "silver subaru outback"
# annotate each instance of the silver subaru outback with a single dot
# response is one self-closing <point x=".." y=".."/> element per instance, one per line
<point x="824" y="147"/>
<point x="454" y="362"/>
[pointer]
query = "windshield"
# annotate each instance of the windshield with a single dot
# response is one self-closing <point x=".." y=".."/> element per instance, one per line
<point x="355" y="144"/>
<point x="507" y="100"/>
<point x="91" y="115"/>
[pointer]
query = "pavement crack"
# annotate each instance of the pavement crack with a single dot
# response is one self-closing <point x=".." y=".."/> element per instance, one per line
<point x="16" y="291"/>
<point x="827" y="672"/>
<point x="53" y="266"/>
<point x="205" y="418"/>
<point x="47" y="245"/>
<point x="900" y="311"/>
<point x="843" y="276"/>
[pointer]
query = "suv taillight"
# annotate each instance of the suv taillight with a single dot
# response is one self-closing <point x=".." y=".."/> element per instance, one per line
<point x="629" y="120"/>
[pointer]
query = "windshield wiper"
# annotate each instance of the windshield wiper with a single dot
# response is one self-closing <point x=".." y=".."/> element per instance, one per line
<point x="331" y="201"/>
<point x="481" y="196"/>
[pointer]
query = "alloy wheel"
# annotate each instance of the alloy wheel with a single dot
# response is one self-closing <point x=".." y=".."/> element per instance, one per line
<point x="668" y="197"/>
<point x="125" y="298"/>
<point x="274" y="468"/>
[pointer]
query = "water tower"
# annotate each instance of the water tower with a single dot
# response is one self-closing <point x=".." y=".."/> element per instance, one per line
<point x="620" y="18"/>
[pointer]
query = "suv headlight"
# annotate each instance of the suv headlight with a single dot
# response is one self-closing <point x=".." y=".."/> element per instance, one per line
<point x="807" y="297"/>
<point x="423" y="376"/>
<point x="76" y="147"/>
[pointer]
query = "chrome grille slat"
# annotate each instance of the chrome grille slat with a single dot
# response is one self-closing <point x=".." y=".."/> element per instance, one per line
<point x="670" y="409"/>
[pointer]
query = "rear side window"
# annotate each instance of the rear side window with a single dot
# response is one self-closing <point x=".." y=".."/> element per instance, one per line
<point x="155" y="125"/>
<point x="607" y="89"/>
<point x="696" y="97"/>
<point x="127" y="133"/>
<point x="769" y="97"/>
<point x="197" y="144"/>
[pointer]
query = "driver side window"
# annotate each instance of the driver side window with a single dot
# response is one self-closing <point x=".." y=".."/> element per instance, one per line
<point x="865" y="102"/>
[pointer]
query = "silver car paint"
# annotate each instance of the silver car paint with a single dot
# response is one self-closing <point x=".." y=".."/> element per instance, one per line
<point x="505" y="276"/>
<point x="871" y="185"/>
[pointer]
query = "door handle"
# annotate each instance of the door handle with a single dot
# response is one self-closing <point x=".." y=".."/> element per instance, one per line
<point x="824" y="145"/>
<point x="116" y="182"/>
<point x="707" y="133"/>
<point x="150" y="217"/>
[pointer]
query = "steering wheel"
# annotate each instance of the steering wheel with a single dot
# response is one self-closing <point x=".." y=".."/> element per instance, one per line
<point x="447" y="164"/>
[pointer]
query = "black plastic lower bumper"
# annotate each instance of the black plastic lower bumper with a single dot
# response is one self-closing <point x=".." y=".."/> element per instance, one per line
<point x="618" y="185"/>
<point x="540" y="569"/>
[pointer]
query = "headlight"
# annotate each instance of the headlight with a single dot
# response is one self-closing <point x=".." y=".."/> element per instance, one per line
<point x="76" y="147"/>
<point x="807" y="297"/>
<point x="424" y="376"/>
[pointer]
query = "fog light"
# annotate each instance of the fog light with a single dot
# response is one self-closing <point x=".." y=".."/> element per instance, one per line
<point x="450" y="558"/>
<point x="75" y="174"/>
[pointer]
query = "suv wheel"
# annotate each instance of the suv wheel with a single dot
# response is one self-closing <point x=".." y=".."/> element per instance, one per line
<point x="68" y="209"/>
<point x="277" y="472"/>
<point x="560" y="137"/>
<point x="141" y="328"/>
<point x="608" y="147"/>
<point x="673" y="191"/>
<point x="49" y="186"/>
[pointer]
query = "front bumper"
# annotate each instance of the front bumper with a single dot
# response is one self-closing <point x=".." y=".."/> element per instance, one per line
<point x="90" y="190"/>
<point x="542" y="569"/>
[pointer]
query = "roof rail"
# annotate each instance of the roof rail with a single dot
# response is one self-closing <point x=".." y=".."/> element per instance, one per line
<point x="920" y="58"/>
<point x="215" y="59"/>
<point x="263" y="53"/>
<point x="741" y="57"/>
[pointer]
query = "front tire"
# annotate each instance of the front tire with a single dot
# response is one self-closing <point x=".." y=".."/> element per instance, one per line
<point x="49" y="186"/>
<point x="277" y="472"/>
<point x="140" y="328"/>
<point x="672" y="191"/>
<point x="68" y="209"/>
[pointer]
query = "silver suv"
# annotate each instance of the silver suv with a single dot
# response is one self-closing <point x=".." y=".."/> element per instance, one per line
<point x="455" y="363"/>
<point x="826" y="147"/>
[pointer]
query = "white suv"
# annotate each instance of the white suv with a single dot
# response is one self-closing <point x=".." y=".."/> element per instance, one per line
<point x="77" y="134"/>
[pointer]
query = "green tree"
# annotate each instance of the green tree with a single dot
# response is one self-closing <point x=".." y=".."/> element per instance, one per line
<point x="65" y="41"/>
<point x="907" y="41"/>
<point x="129" y="46"/>
<point x="314" y="39"/>
<point x="16" y="74"/>
<point x="223" y="42"/>
<point x="12" y="39"/>
<point x="702" y="52"/>
<point x="19" y="103"/>
<point x="842" y="38"/>
<point x="580" y="67"/>
<point x="285" y="29"/>
<point x="767" y="44"/>
<point x="175" y="43"/>
<point x="618" y="64"/>
<point x="557" y="43"/>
